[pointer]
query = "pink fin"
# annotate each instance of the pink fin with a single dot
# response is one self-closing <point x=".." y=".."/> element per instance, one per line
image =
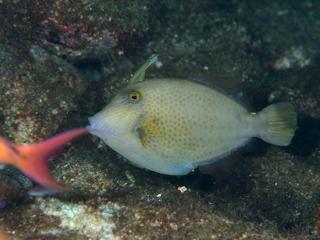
<point x="32" y="159"/>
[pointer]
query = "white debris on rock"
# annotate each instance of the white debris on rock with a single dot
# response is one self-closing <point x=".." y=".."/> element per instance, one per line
<point x="94" y="223"/>
<point x="182" y="189"/>
<point x="295" y="57"/>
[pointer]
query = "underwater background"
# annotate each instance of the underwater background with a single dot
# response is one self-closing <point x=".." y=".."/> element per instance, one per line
<point x="61" y="61"/>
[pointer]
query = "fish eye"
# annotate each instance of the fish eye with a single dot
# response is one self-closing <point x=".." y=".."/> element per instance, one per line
<point x="134" y="97"/>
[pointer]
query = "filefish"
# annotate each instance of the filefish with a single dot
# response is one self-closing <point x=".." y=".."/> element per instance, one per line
<point x="172" y="126"/>
<point x="32" y="159"/>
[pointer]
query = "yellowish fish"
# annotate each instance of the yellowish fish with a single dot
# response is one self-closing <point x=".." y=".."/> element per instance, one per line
<point x="172" y="126"/>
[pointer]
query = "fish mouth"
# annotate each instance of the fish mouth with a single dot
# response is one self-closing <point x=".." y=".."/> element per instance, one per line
<point x="96" y="125"/>
<point x="99" y="126"/>
<point x="97" y="131"/>
<point x="93" y="130"/>
<point x="102" y="132"/>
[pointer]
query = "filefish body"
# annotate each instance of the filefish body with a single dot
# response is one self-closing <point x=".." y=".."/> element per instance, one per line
<point x="172" y="126"/>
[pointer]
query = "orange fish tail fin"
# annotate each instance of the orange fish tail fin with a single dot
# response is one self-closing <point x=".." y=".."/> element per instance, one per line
<point x="33" y="158"/>
<point x="38" y="170"/>
<point x="47" y="147"/>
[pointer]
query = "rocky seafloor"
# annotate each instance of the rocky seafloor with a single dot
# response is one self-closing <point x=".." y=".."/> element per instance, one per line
<point x="63" y="60"/>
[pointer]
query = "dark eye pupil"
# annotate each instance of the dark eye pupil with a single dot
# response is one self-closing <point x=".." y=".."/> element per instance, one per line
<point x="134" y="97"/>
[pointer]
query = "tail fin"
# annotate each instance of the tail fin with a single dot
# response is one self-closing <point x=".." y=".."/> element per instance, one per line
<point x="32" y="159"/>
<point x="38" y="170"/>
<point x="279" y="123"/>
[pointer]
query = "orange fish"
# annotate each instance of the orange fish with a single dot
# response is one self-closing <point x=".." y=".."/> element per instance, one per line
<point x="3" y="234"/>
<point x="32" y="159"/>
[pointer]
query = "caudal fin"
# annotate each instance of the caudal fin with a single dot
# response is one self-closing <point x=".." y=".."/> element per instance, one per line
<point x="279" y="123"/>
<point x="32" y="159"/>
<point x="38" y="170"/>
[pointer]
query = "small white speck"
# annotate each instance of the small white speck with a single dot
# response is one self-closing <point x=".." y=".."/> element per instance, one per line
<point x="182" y="189"/>
<point x="206" y="68"/>
<point x="54" y="111"/>
<point x="159" y="64"/>
<point x="159" y="195"/>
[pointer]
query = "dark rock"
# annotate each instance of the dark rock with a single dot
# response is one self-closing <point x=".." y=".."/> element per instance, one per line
<point x="37" y="93"/>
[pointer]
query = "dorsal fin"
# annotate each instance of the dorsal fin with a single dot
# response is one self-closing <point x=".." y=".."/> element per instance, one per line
<point x="140" y="73"/>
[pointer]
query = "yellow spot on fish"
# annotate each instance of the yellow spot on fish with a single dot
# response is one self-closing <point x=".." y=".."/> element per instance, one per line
<point x="163" y="131"/>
